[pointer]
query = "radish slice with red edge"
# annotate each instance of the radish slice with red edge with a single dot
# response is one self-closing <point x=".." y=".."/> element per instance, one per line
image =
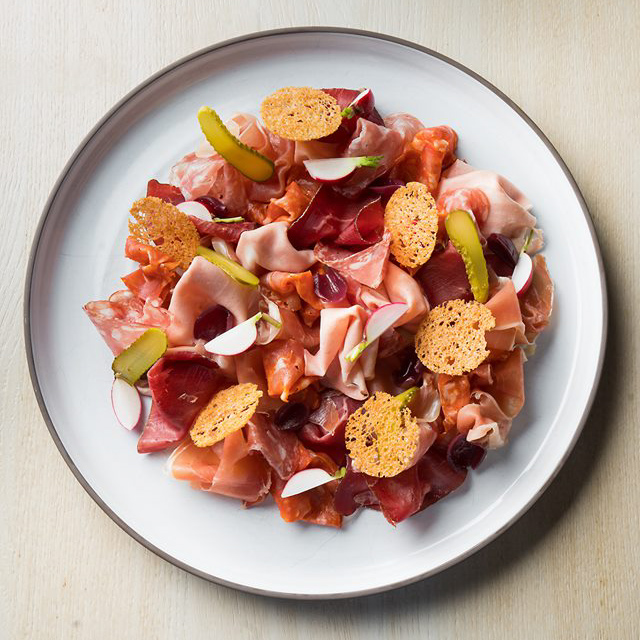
<point x="332" y="170"/>
<point x="195" y="209"/>
<point x="362" y="104"/>
<point x="308" y="479"/>
<point x="522" y="274"/>
<point x="236" y="340"/>
<point x="126" y="403"/>
<point x="380" y="320"/>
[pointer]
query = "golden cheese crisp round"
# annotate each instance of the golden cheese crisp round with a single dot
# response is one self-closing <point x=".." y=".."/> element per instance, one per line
<point x="228" y="411"/>
<point x="412" y="219"/>
<point x="382" y="436"/>
<point x="301" y="113"/>
<point x="451" y="339"/>
<point x="162" y="224"/>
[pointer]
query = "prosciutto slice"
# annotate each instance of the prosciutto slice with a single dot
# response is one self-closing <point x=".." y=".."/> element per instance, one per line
<point x="405" y="124"/>
<point x="483" y="422"/>
<point x="227" y="231"/>
<point x="285" y="284"/>
<point x="156" y="274"/>
<point x="198" y="175"/>
<point x="124" y="317"/>
<point x="181" y="384"/>
<point x="367" y="266"/>
<point x="509" y="328"/>
<point x="370" y="139"/>
<point x="269" y="248"/>
<point x="325" y="429"/>
<point x="202" y="286"/>
<point x="537" y="303"/>
<point x="284" y="367"/>
<point x="229" y="468"/>
<point x="509" y="209"/>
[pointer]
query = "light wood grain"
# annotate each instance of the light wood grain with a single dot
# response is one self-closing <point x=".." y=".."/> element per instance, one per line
<point x="567" y="569"/>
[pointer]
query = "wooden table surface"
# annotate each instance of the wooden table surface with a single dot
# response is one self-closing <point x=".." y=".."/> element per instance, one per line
<point x="567" y="569"/>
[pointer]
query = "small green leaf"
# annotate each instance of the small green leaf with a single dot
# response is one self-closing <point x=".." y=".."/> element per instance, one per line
<point x="354" y="354"/>
<point x="272" y="321"/>
<point x="348" y="113"/>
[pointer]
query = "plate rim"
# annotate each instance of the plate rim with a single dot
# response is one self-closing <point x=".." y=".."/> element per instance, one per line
<point x="104" y="120"/>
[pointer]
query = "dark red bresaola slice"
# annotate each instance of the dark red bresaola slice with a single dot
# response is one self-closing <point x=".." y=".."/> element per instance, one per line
<point x="385" y="187"/>
<point x="212" y="322"/>
<point x="444" y="277"/>
<point x="227" y="231"/>
<point x="345" y="97"/>
<point x="165" y="192"/>
<point x="442" y="478"/>
<point x="332" y="217"/>
<point x="181" y="384"/>
<point x="353" y="492"/>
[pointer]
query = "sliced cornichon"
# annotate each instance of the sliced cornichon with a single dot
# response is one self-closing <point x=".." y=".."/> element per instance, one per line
<point x="138" y="357"/>
<point x="231" y="268"/>
<point x="245" y="159"/>
<point x="463" y="234"/>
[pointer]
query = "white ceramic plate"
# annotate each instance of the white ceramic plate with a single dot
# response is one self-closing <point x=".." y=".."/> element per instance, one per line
<point x="77" y="256"/>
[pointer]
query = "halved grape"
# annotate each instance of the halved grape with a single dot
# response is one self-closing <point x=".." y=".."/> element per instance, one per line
<point x="462" y="454"/>
<point x="292" y="416"/>
<point x="212" y="322"/>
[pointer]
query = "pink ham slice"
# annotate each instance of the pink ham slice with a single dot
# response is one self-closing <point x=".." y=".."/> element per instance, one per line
<point x="401" y="287"/>
<point x="341" y="329"/>
<point x="181" y="384"/>
<point x="268" y="248"/>
<point x="202" y="286"/>
<point x="509" y="209"/>
<point x="367" y="266"/>
<point x="123" y="318"/>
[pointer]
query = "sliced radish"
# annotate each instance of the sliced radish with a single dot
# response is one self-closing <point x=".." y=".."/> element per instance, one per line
<point x="332" y="170"/>
<point x="522" y="274"/>
<point x="380" y="320"/>
<point x="306" y="480"/>
<point x="195" y="209"/>
<point x="364" y="102"/>
<point x="126" y="403"/>
<point x="236" y="340"/>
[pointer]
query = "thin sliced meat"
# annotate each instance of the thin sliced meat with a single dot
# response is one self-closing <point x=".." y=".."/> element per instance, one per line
<point x="156" y="274"/>
<point x="292" y="204"/>
<point x="181" y="384"/>
<point x="325" y="429"/>
<point x="430" y="151"/>
<point x="401" y="496"/>
<point x="435" y="471"/>
<point x="316" y="505"/>
<point x="197" y="175"/>
<point x="371" y="139"/>
<point x="124" y="317"/>
<point x="507" y="383"/>
<point x="202" y="286"/>
<point x="509" y="328"/>
<point x="292" y="328"/>
<point x="284" y="367"/>
<point x="165" y="192"/>
<point x="281" y="449"/>
<point x="285" y="283"/>
<point x="401" y="287"/>
<point x="509" y="209"/>
<point x="472" y="200"/>
<point x="368" y="266"/>
<point x="354" y="492"/>
<point x="444" y="277"/>
<point x="537" y="303"/>
<point x="229" y="468"/>
<point x="483" y="422"/>
<point x="269" y="248"/>
<point x="341" y="329"/>
<point x="455" y="393"/>
<point x="405" y="124"/>
<point x="227" y="231"/>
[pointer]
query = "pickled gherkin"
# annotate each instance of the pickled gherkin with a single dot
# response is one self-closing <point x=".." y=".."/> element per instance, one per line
<point x="245" y="159"/>
<point x="231" y="268"/>
<point x="462" y="232"/>
<point x="139" y="356"/>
